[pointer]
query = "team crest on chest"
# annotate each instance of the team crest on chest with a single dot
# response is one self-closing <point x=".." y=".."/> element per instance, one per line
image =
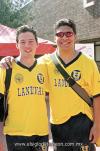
<point x="19" y="78"/>
<point x="40" y="78"/>
<point x="76" y="75"/>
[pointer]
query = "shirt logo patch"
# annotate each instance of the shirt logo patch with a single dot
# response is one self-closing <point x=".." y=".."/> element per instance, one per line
<point x="40" y="78"/>
<point x="19" y="78"/>
<point x="76" y="75"/>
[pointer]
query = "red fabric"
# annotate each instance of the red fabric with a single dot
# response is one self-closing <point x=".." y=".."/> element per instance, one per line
<point x="8" y="49"/>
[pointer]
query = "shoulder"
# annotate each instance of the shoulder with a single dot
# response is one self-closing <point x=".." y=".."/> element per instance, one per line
<point x="88" y="59"/>
<point x="89" y="62"/>
<point x="45" y="59"/>
<point x="2" y="74"/>
<point x="2" y="70"/>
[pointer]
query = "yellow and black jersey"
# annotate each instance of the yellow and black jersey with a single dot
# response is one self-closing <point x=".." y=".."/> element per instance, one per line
<point x="27" y="114"/>
<point x="64" y="102"/>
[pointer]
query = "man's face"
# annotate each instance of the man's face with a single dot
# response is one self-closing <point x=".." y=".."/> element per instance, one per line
<point x="65" y="37"/>
<point x="27" y="43"/>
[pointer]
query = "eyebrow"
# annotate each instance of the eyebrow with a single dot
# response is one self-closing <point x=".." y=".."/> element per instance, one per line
<point x="27" y="39"/>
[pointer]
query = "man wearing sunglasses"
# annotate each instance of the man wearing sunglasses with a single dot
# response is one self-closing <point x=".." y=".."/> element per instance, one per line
<point x="71" y="118"/>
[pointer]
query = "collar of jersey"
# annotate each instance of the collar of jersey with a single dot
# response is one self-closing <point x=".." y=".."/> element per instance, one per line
<point x="23" y="66"/>
<point x="72" y="61"/>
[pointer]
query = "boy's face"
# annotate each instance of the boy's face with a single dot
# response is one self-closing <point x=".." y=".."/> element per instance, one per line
<point x="27" y="43"/>
<point x="65" y="37"/>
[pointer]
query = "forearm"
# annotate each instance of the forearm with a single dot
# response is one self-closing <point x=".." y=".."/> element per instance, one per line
<point x="95" y="130"/>
<point x="96" y="108"/>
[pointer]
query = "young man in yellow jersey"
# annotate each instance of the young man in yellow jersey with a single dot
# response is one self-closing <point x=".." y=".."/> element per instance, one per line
<point x="75" y="125"/>
<point x="26" y="126"/>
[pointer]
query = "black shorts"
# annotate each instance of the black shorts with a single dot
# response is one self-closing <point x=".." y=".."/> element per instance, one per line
<point x="73" y="135"/>
<point x="27" y="143"/>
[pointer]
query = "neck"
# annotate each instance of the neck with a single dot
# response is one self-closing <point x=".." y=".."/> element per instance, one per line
<point x="26" y="60"/>
<point x="67" y="55"/>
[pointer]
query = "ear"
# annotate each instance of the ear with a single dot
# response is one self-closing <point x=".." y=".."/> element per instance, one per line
<point x="55" y="39"/>
<point x="17" y="45"/>
<point x="76" y="38"/>
<point x="37" y="44"/>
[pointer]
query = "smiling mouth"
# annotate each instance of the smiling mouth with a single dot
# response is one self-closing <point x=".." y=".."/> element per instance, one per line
<point x="28" y="50"/>
<point x="66" y="43"/>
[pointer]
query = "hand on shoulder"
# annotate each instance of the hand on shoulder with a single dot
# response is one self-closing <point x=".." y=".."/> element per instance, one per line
<point x="6" y="62"/>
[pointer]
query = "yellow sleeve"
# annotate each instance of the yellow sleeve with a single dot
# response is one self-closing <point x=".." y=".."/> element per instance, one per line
<point x="96" y="80"/>
<point x="45" y="60"/>
<point x="42" y="61"/>
<point x="46" y="80"/>
<point x="2" y="80"/>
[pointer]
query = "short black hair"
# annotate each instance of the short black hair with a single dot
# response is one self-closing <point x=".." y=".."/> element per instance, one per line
<point x="65" y="22"/>
<point x="23" y="29"/>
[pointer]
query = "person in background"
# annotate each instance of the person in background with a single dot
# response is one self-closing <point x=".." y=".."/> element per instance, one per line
<point x="26" y="126"/>
<point x="75" y="125"/>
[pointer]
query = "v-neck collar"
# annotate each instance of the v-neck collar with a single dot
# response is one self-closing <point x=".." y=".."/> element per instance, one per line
<point x="28" y="68"/>
<point x="72" y="61"/>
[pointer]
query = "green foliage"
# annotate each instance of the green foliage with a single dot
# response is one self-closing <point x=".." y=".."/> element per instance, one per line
<point x="12" y="17"/>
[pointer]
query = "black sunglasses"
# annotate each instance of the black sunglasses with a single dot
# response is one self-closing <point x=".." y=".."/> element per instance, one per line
<point x="67" y="34"/>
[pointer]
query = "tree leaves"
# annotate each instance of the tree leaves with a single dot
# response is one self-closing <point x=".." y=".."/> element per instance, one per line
<point x="12" y="17"/>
